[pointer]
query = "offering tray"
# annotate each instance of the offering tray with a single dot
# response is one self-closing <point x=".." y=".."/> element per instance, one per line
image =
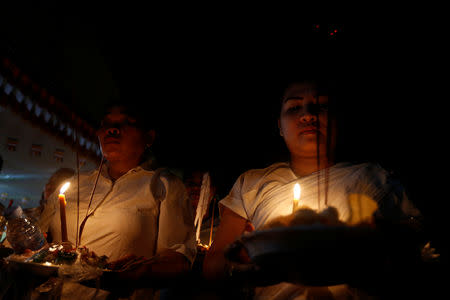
<point x="54" y="261"/>
<point x="39" y="269"/>
<point x="314" y="254"/>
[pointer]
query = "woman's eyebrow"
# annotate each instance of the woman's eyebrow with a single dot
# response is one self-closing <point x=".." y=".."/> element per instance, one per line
<point x="293" y="98"/>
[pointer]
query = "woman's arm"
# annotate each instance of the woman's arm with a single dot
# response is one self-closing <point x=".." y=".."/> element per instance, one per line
<point x="230" y="228"/>
<point x="160" y="270"/>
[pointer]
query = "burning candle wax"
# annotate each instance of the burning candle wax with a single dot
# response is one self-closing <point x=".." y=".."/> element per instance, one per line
<point x="62" y="211"/>
<point x="297" y="191"/>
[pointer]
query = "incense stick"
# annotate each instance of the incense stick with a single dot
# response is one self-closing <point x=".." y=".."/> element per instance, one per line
<point x="78" y="185"/>
<point x="78" y="199"/>
<point x="90" y="200"/>
<point x="212" y="222"/>
<point x="317" y="114"/>
<point x="95" y="185"/>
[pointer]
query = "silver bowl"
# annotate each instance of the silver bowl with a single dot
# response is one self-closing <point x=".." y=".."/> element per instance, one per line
<point x="315" y="255"/>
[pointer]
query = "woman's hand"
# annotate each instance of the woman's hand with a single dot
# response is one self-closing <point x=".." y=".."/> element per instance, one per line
<point x="122" y="276"/>
<point x="232" y="226"/>
<point x="126" y="262"/>
<point x="134" y="272"/>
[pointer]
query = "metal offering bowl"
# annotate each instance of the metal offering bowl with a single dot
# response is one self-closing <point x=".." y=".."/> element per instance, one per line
<point x="314" y="254"/>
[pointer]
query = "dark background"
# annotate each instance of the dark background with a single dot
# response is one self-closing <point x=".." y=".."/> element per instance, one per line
<point x="212" y="81"/>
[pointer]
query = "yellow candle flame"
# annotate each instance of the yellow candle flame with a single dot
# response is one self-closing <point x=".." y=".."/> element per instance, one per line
<point x="64" y="188"/>
<point x="297" y="191"/>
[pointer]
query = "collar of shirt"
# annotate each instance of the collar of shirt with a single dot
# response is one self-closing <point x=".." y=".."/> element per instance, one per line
<point x="144" y="166"/>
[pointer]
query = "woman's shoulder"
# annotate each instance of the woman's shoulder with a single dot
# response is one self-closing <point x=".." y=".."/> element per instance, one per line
<point x="274" y="168"/>
<point x="254" y="177"/>
<point x="165" y="176"/>
<point x="369" y="167"/>
<point x="87" y="173"/>
<point x="370" y="172"/>
<point x="161" y="173"/>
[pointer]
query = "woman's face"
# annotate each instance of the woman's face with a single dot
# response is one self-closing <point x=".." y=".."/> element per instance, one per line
<point x="120" y="139"/>
<point x="304" y="120"/>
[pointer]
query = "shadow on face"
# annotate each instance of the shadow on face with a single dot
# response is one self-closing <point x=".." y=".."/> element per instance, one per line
<point x="305" y="122"/>
<point x="122" y="137"/>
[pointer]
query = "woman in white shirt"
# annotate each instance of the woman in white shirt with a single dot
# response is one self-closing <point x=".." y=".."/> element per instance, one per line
<point x="307" y="124"/>
<point x="135" y="211"/>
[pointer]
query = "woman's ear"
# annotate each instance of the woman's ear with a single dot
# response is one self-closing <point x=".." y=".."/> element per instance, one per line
<point x="150" y="137"/>
<point x="279" y="127"/>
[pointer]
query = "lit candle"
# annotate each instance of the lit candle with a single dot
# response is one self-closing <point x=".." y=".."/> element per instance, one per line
<point x="62" y="211"/>
<point x="297" y="191"/>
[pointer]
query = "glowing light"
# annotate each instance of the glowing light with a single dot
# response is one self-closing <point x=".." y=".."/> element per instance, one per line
<point x="297" y="193"/>
<point x="64" y="188"/>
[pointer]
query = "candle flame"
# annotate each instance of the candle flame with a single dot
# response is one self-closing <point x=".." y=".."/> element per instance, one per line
<point x="64" y="188"/>
<point x="297" y="191"/>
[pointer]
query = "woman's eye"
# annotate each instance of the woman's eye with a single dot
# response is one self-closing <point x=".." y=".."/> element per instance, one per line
<point x="312" y="108"/>
<point x="295" y="108"/>
<point x="104" y="125"/>
<point x="130" y="121"/>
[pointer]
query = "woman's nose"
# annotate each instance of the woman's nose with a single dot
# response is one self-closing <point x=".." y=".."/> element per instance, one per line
<point x="308" y="117"/>
<point x="113" y="131"/>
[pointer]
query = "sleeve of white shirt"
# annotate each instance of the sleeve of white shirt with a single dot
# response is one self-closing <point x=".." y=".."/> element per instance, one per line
<point x="176" y="221"/>
<point x="235" y="199"/>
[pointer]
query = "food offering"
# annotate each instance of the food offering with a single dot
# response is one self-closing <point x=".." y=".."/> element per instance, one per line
<point x="307" y="247"/>
<point x="61" y="259"/>
<point x="307" y="216"/>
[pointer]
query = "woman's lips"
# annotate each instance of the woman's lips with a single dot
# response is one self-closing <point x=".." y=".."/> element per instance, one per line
<point x="309" y="130"/>
<point x="111" y="141"/>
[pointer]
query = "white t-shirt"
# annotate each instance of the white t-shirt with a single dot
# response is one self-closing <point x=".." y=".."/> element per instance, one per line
<point x="128" y="219"/>
<point x="261" y="195"/>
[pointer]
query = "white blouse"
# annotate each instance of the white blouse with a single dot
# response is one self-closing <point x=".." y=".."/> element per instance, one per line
<point x="261" y="195"/>
<point x="127" y="218"/>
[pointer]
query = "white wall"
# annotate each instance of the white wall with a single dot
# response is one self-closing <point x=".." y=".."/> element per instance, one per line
<point x="23" y="176"/>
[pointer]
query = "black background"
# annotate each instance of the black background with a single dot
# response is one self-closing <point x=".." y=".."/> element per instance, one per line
<point x="212" y="81"/>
